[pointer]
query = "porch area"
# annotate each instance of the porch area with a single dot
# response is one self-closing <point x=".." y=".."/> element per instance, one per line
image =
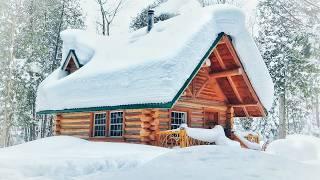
<point x="186" y="137"/>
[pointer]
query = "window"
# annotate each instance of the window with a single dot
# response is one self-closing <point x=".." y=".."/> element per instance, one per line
<point x="178" y="118"/>
<point x="116" y="124"/>
<point x="99" y="124"/>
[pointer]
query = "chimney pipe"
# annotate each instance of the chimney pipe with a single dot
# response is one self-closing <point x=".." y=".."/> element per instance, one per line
<point x="150" y="19"/>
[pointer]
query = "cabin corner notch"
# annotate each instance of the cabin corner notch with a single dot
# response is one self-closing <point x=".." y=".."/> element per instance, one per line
<point x="71" y="63"/>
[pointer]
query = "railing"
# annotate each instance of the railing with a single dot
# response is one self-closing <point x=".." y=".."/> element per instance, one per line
<point x="253" y="138"/>
<point x="177" y="138"/>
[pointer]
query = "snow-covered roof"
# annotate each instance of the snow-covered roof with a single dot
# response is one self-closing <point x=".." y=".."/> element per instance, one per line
<point x="149" y="69"/>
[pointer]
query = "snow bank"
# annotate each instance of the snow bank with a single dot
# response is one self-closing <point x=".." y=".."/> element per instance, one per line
<point x="215" y="162"/>
<point x="154" y="66"/>
<point x="297" y="147"/>
<point x="63" y="157"/>
<point x="215" y="135"/>
<point x="68" y="158"/>
<point x="250" y="145"/>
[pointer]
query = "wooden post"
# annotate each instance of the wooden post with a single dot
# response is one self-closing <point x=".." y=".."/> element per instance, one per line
<point x="229" y="121"/>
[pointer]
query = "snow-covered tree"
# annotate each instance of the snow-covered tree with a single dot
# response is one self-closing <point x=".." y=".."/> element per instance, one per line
<point x="30" y="32"/>
<point x="286" y="46"/>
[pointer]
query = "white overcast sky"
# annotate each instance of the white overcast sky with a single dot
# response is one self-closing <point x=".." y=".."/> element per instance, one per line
<point x="131" y="7"/>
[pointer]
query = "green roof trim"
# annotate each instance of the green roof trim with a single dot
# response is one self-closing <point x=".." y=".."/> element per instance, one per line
<point x="166" y="105"/>
<point x="72" y="51"/>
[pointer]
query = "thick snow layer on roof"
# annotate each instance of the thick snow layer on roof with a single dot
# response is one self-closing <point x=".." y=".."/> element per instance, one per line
<point x="81" y="42"/>
<point x="150" y="67"/>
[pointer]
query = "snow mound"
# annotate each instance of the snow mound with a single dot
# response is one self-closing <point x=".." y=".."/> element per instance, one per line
<point x="215" y="162"/>
<point x="215" y="135"/>
<point x="63" y="157"/>
<point x="297" y="147"/>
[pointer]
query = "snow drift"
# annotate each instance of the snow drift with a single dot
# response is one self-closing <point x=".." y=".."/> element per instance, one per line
<point x="215" y="135"/>
<point x="297" y="147"/>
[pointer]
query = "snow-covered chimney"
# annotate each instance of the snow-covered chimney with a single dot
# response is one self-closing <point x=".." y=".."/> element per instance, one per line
<point x="150" y="19"/>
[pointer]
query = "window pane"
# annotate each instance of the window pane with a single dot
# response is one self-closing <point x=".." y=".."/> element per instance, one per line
<point x="100" y="124"/>
<point x="177" y="118"/>
<point x="116" y="124"/>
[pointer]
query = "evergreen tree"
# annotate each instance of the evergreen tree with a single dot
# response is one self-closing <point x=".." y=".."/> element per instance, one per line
<point x="31" y="28"/>
<point x="286" y="48"/>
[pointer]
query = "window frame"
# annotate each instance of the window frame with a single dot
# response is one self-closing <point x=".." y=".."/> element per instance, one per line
<point x="185" y="120"/>
<point x="94" y="125"/>
<point x="110" y="124"/>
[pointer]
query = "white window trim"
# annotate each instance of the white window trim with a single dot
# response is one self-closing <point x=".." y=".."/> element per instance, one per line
<point x="94" y="124"/>
<point x="186" y="117"/>
<point x="109" y="130"/>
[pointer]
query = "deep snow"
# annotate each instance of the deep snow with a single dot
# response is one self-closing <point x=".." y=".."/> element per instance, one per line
<point x="68" y="158"/>
<point x="63" y="157"/>
<point x="297" y="147"/>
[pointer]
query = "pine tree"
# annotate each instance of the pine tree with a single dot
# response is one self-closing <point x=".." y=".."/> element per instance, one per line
<point x="286" y="48"/>
<point x="36" y="52"/>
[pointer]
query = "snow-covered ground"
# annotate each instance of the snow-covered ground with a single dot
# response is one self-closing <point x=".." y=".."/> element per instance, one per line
<point x="297" y="147"/>
<point x="63" y="157"/>
<point x="68" y="158"/>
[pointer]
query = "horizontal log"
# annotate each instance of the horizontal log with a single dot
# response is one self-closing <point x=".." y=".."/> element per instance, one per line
<point x="145" y="139"/>
<point x="197" y="115"/>
<point x="145" y="125"/>
<point x="226" y="73"/>
<point x="133" y="110"/>
<point x="154" y="128"/>
<point x="137" y="116"/>
<point x="164" y="119"/>
<point x="146" y="118"/>
<point x="75" y="126"/>
<point x="160" y="114"/>
<point x="155" y="122"/>
<point x="132" y="123"/>
<point x="147" y="111"/>
<point x="132" y="132"/>
<point x="132" y="140"/>
<point x="74" y="120"/>
<point x="74" y="133"/>
<point x="75" y="114"/>
<point x="145" y="132"/>
<point x="132" y="136"/>
<point x="84" y="130"/>
<point x="132" y="128"/>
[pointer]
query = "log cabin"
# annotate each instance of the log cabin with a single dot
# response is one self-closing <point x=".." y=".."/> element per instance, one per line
<point x="199" y="68"/>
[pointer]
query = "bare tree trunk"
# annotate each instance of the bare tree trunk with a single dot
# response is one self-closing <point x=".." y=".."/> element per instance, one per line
<point x="54" y="60"/>
<point x="282" y="117"/>
<point x="317" y="110"/>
